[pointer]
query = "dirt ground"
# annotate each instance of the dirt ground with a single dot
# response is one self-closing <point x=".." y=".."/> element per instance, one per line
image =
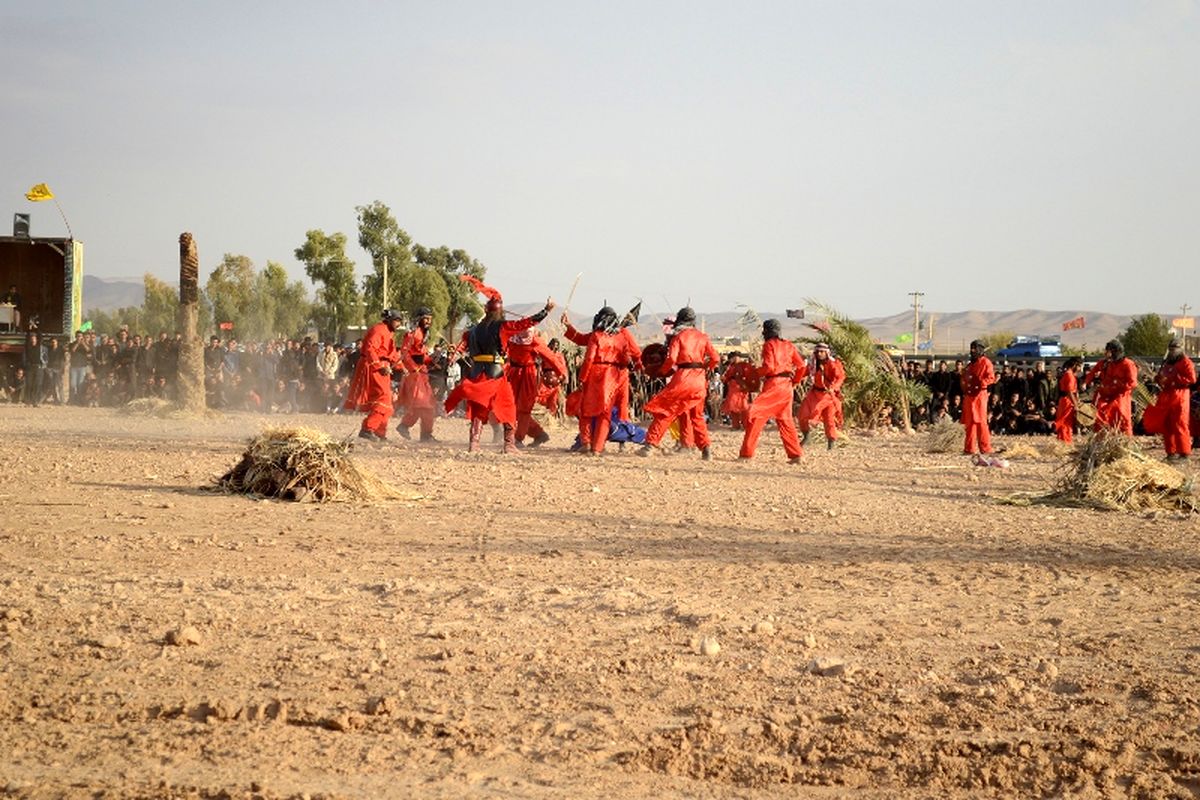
<point x="544" y="625"/>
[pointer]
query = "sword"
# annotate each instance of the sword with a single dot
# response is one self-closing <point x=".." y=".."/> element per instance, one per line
<point x="571" y="295"/>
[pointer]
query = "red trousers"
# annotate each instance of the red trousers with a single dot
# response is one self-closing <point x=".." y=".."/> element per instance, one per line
<point x="1064" y="420"/>
<point x="974" y="420"/>
<point x="376" y="421"/>
<point x="1177" y="434"/>
<point x="774" y="402"/>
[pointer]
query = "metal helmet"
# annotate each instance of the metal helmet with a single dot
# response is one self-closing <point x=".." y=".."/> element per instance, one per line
<point x="422" y="311"/>
<point x="685" y="316"/>
<point x="771" y="329"/>
<point x="390" y="314"/>
<point x="1115" y="347"/>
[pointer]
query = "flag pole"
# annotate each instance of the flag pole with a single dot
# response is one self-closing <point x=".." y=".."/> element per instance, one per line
<point x="64" y="216"/>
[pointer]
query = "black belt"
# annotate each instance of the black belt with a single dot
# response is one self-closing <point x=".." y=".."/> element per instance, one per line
<point x="689" y="365"/>
<point x="609" y="363"/>
<point x="781" y="375"/>
<point x="818" y="388"/>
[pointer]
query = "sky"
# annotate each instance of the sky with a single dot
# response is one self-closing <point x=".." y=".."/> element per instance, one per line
<point x="993" y="155"/>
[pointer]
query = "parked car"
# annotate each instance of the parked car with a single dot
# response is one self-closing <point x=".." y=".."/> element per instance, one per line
<point x="1032" y="347"/>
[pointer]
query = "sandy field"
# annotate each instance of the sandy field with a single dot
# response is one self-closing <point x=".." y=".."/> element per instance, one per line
<point x="871" y="623"/>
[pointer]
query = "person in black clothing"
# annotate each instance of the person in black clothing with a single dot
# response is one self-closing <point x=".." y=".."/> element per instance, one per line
<point x="35" y="362"/>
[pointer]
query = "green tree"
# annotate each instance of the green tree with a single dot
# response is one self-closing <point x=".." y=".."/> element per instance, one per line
<point x="462" y="298"/>
<point x="288" y="302"/>
<point x="155" y="315"/>
<point x="325" y="262"/>
<point x="872" y="378"/>
<point x="1146" y="335"/>
<point x="383" y="238"/>
<point x="997" y="340"/>
<point x="232" y="290"/>
<point x="424" y="287"/>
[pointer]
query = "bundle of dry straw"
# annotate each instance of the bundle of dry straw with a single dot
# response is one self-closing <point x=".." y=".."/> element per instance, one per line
<point x="945" y="436"/>
<point x="302" y="464"/>
<point x="1109" y="471"/>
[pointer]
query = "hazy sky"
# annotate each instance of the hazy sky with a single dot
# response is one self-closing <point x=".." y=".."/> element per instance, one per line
<point x="993" y="155"/>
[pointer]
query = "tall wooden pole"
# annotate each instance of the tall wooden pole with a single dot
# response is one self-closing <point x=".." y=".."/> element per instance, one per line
<point x="191" y="355"/>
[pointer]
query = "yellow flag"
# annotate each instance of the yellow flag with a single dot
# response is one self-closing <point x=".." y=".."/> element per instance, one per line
<point x="39" y="193"/>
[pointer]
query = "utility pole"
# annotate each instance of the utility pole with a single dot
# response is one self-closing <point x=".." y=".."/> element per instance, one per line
<point x="1183" y="331"/>
<point x="916" y="296"/>
<point x="384" y="301"/>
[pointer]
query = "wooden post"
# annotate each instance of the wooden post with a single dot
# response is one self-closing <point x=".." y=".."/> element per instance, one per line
<point x="191" y="349"/>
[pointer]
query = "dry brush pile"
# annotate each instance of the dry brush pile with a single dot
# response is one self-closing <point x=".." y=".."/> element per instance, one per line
<point x="303" y="464"/>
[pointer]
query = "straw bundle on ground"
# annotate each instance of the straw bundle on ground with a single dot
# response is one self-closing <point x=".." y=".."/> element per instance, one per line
<point x="1109" y="471"/>
<point x="303" y="464"/>
<point x="945" y="436"/>
<point x="1021" y="450"/>
<point x="1055" y="448"/>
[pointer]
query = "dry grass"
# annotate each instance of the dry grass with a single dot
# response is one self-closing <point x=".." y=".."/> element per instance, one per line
<point x="1055" y="448"/>
<point x="303" y="464"/>
<point x="945" y="436"/>
<point x="1108" y="471"/>
<point x="1021" y="451"/>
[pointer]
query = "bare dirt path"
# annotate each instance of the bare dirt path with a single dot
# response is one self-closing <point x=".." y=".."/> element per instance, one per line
<point x="533" y="626"/>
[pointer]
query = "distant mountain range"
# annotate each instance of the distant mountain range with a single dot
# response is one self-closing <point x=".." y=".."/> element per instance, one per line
<point x="951" y="331"/>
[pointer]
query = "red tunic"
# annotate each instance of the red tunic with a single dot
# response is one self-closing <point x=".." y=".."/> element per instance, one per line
<point x="369" y="389"/>
<point x="782" y="367"/>
<point x="691" y="353"/>
<point x="1114" y="394"/>
<point x="977" y="376"/>
<point x="604" y="372"/>
<point x="490" y="396"/>
<point x="523" y="373"/>
<point x="1175" y="400"/>
<point x="1064" y="415"/>
<point x="736" y="377"/>
<point x="415" y="390"/>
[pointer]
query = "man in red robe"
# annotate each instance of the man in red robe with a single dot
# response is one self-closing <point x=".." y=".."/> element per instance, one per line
<point x="485" y="389"/>
<point x="977" y="376"/>
<point x="604" y="375"/>
<point x="1175" y="377"/>
<point x="416" y="393"/>
<point x="371" y="387"/>
<point x="824" y="400"/>
<point x="737" y="378"/>
<point x="1068" y="400"/>
<point x="691" y="354"/>
<point x="781" y="369"/>
<point x="528" y="359"/>
<point x="1116" y="376"/>
<point x="550" y="391"/>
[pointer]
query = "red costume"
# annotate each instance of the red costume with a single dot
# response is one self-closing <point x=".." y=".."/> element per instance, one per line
<point x="604" y="374"/>
<point x="782" y="368"/>
<point x="1064" y="415"/>
<point x="416" y="394"/>
<point x="691" y="354"/>
<point x="580" y="338"/>
<point x="737" y="378"/>
<point x="824" y="400"/>
<point x="1114" y="395"/>
<point x="371" y="387"/>
<point x="1175" y="401"/>
<point x="524" y="374"/>
<point x="485" y="389"/>
<point x="977" y="376"/>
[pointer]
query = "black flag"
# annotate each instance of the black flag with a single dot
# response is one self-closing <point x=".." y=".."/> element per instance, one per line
<point x="795" y="313"/>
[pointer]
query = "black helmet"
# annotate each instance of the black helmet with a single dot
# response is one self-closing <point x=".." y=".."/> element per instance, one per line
<point x="390" y="314"/>
<point x="605" y="320"/>
<point x="979" y="344"/>
<point x="1115" y="347"/>
<point x="422" y="311"/>
<point x="771" y="329"/>
<point x="685" y="316"/>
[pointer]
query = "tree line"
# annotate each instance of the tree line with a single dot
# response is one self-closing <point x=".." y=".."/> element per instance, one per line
<point x="259" y="304"/>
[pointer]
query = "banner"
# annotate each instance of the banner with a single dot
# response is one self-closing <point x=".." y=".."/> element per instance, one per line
<point x="926" y="345"/>
<point x="39" y="193"/>
<point x="226" y="326"/>
<point x="1073" y="323"/>
<point x="795" y="313"/>
<point x="904" y="338"/>
<point x="1184" y="323"/>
